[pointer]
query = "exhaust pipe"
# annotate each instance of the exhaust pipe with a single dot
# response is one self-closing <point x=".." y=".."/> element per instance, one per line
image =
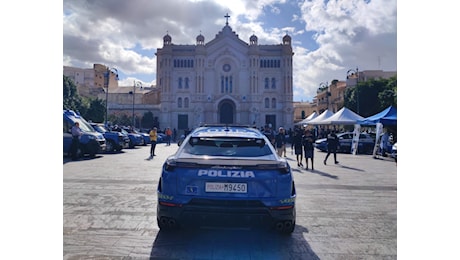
<point x="172" y="223"/>
<point x="164" y="221"/>
<point x="279" y="226"/>
<point x="287" y="225"/>
<point x="169" y="223"/>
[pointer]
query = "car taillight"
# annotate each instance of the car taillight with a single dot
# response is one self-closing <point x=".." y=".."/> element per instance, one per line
<point x="284" y="167"/>
<point x="170" y="164"/>
<point x="282" y="207"/>
<point x="169" y="204"/>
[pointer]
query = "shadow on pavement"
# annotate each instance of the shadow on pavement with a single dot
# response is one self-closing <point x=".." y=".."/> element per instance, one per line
<point x="231" y="244"/>
<point x="325" y="174"/>
<point x="351" y="168"/>
<point x="84" y="158"/>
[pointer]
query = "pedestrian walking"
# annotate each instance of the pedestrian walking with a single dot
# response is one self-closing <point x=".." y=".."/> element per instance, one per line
<point x="297" y="146"/>
<point x="308" y="141"/>
<point x="268" y="132"/>
<point x="76" y="134"/>
<point x="332" y="144"/>
<point x="280" y="141"/>
<point x="168" y="133"/>
<point x="174" y="135"/>
<point x="153" y="141"/>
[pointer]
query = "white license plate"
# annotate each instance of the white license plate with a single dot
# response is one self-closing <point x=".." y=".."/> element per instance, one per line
<point x="226" y="187"/>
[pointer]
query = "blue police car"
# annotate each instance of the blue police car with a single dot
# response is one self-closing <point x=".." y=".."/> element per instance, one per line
<point x="227" y="176"/>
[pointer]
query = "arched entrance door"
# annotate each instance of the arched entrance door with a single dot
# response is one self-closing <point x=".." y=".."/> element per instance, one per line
<point x="226" y="112"/>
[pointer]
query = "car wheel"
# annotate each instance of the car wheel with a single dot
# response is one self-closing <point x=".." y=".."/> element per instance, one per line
<point x="92" y="151"/>
<point x="110" y="146"/>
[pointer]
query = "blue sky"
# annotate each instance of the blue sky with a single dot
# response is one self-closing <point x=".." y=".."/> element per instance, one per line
<point x="329" y="37"/>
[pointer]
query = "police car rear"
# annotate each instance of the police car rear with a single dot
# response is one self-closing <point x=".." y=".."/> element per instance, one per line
<point x="226" y="176"/>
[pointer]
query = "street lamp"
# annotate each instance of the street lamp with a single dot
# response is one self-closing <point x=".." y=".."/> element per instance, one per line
<point x="139" y="84"/>
<point x="106" y="81"/>
<point x="351" y="73"/>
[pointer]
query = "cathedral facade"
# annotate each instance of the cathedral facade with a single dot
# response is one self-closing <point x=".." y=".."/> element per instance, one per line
<point x="225" y="81"/>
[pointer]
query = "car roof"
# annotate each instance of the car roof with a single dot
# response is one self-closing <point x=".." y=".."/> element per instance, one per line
<point x="226" y="131"/>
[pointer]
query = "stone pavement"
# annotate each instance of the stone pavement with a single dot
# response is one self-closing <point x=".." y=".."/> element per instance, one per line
<point x="344" y="211"/>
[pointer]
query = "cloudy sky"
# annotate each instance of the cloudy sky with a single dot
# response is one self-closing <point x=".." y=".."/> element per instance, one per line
<point x="329" y="37"/>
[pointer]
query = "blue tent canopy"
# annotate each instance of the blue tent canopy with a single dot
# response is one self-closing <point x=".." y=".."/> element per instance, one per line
<point x="386" y="117"/>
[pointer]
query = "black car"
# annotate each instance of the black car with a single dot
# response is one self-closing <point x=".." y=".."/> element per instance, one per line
<point x="365" y="145"/>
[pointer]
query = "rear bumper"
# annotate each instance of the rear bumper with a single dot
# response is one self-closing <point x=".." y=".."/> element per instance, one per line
<point x="225" y="213"/>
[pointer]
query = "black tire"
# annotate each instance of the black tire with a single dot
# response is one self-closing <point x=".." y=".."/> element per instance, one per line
<point x="290" y="230"/>
<point x="92" y="149"/>
<point x="110" y="146"/>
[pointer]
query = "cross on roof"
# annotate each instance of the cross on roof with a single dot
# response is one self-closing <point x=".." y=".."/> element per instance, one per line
<point x="227" y="16"/>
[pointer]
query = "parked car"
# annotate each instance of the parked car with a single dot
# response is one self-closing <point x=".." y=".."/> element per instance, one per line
<point x="394" y="150"/>
<point x="226" y="175"/>
<point x="161" y="138"/>
<point x="365" y="145"/>
<point x="91" y="142"/>
<point x="146" y="136"/>
<point x="134" y="139"/>
<point x="115" y="141"/>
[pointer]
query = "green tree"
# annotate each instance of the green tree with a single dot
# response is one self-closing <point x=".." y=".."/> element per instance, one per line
<point x="148" y="120"/>
<point x="72" y="99"/>
<point x="91" y="109"/>
<point x="96" y="111"/>
<point x="373" y="96"/>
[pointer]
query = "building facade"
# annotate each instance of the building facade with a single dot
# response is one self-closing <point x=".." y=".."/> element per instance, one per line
<point x="225" y="81"/>
<point x="332" y="96"/>
<point x="91" y="82"/>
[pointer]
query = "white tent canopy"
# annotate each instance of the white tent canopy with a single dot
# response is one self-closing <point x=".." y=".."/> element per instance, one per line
<point x="318" y="119"/>
<point x="305" y="120"/>
<point x="342" y="117"/>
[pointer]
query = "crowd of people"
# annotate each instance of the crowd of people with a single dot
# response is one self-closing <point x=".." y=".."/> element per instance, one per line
<point x="302" y="142"/>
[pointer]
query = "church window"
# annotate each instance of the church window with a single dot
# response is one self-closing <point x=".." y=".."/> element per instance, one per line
<point x="226" y="84"/>
<point x="222" y="84"/>
<point x="186" y="102"/>
<point x="270" y="63"/>
<point x="183" y="63"/>
<point x="231" y="85"/>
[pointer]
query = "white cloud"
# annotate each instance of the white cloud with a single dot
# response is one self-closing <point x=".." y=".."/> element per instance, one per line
<point x="328" y="38"/>
<point x="349" y="34"/>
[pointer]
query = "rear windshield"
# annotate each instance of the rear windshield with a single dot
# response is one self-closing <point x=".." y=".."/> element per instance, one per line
<point x="231" y="147"/>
